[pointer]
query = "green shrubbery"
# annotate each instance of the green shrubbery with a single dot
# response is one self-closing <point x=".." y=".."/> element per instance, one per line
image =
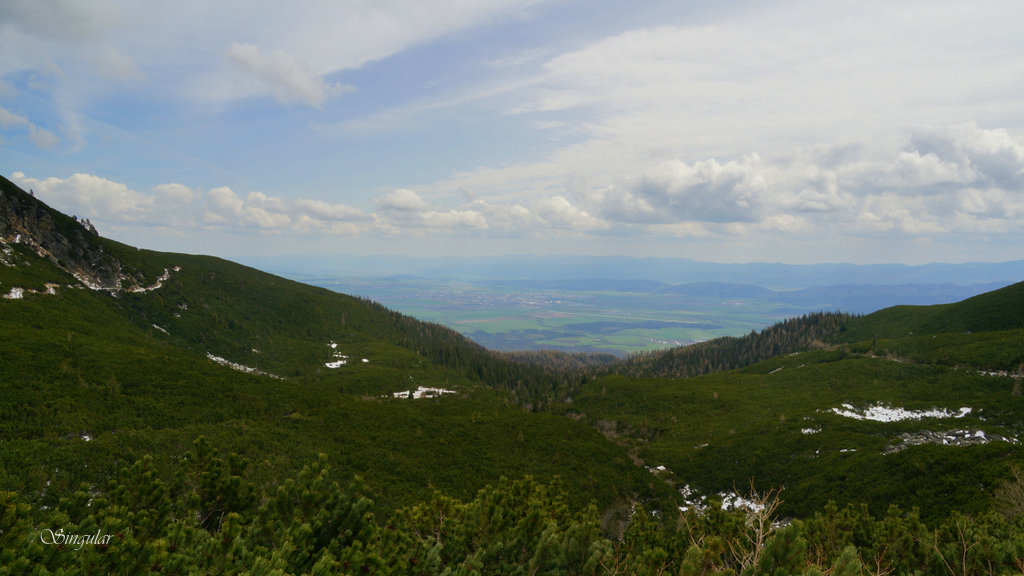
<point x="208" y="518"/>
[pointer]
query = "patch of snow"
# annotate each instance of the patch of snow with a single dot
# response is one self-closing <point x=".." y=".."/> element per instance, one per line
<point x="1000" y="373"/>
<point x="810" y="430"/>
<point x="240" y="367"/>
<point x="732" y="501"/>
<point x="729" y="501"/>
<point x="161" y="329"/>
<point x="366" y="360"/>
<point x="86" y="437"/>
<point x="86" y="282"/>
<point x="17" y="293"/>
<point x="159" y="281"/>
<point x="948" y="438"/>
<point x="423" y="392"/>
<point x="882" y="413"/>
<point x="340" y="359"/>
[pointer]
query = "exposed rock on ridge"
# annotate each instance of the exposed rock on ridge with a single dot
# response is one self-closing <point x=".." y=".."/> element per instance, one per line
<point x="65" y="241"/>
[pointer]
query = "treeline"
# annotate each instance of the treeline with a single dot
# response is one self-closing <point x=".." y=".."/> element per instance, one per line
<point x="728" y="353"/>
<point x="563" y="360"/>
<point x="538" y="378"/>
<point x="534" y="385"/>
<point x="208" y="518"/>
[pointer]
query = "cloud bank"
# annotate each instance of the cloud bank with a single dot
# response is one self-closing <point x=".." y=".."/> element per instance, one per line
<point x="956" y="180"/>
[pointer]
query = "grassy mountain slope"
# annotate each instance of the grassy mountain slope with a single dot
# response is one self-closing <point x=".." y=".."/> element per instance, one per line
<point x="91" y="379"/>
<point x="998" y="310"/>
<point x="794" y="414"/>
<point x="779" y="423"/>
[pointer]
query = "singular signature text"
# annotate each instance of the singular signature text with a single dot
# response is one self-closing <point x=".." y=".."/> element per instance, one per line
<point x="76" y="540"/>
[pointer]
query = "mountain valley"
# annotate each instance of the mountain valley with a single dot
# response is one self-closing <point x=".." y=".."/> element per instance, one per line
<point x="187" y="392"/>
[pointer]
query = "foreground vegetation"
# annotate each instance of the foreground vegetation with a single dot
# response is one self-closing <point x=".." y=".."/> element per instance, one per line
<point x="207" y="518"/>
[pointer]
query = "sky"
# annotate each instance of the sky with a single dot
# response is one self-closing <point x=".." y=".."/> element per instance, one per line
<point x="730" y="131"/>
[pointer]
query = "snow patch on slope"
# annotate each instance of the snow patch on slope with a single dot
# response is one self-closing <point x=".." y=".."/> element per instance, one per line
<point x="18" y="293"/>
<point x="882" y="413"/>
<point x="240" y="367"/>
<point x="693" y="500"/>
<point x="339" y="358"/>
<point x="423" y="392"/>
<point x="159" y="281"/>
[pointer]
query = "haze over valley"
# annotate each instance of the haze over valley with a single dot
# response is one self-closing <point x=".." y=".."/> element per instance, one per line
<point x="620" y="305"/>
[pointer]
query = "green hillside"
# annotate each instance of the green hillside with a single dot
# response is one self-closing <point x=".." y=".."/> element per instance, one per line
<point x="994" y="311"/>
<point x="785" y="407"/>
<point x="94" y="378"/>
<point x="212" y="418"/>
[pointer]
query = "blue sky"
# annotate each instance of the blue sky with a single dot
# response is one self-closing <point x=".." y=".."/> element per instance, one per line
<point x="797" y="131"/>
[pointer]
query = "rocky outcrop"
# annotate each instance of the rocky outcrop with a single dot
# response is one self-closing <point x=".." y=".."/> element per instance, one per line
<point x="71" y="245"/>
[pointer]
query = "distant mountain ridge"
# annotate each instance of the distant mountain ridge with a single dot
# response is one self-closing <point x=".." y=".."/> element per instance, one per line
<point x="668" y="271"/>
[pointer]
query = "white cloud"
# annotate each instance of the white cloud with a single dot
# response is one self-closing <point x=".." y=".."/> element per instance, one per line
<point x="557" y="212"/>
<point x="403" y="200"/>
<point x="91" y="197"/>
<point x="176" y="205"/>
<point x="404" y="208"/>
<point x="39" y="136"/>
<point x="324" y="211"/>
<point x="705" y="191"/>
<point x="454" y="219"/>
<point x="281" y="75"/>
<point x="789" y="223"/>
<point x="988" y="157"/>
<point x="224" y="206"/>
<point x="331" y="218"/>
<point x="888" y="212"/>
<point x="65" y="36"/>
<point x="42" y="137"/>
<point x="9" y="119"/>
<point x="174" y="192"/>
<point x="287" y="53"/>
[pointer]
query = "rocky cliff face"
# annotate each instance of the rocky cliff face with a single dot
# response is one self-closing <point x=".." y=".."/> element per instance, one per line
<point x="70" y="244"/>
